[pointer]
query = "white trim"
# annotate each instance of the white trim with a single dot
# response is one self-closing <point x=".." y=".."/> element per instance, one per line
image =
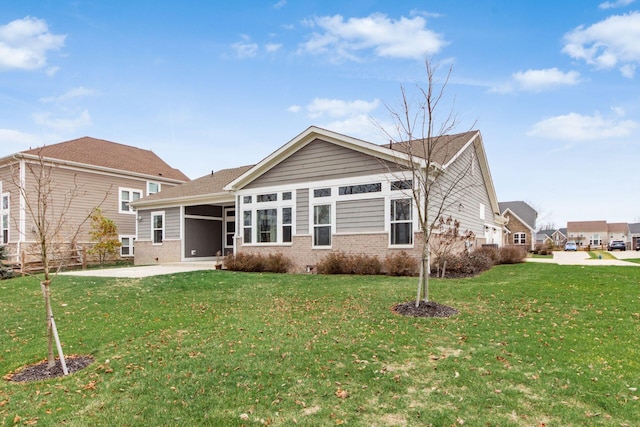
<point x="22" y="228"/>
<point x="159" y="184"/>
<point x="131" y="247"/>
<point x="256" y="206"/>
<point x="132" y="210"/>
<point x="153" y="229"/>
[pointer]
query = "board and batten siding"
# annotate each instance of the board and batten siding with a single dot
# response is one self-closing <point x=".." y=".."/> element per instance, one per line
<point x="302" y="211"/>
<point x="320" y="160"/>
<point x="358" y="216"/>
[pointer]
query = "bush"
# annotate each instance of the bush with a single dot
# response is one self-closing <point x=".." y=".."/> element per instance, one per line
<point x="462" y="265"/>
<point x="256" y="263"/>
<point x="401" y="264"/>
<point x="6" y="272"/>
<point x="512" y="254"/>
<point x="341" y="263"/>
<point x="492" y="252"/>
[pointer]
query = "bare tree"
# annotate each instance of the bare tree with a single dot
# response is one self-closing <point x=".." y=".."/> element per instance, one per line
<point x="55" y="225"/>
<point x="424" y="138"/>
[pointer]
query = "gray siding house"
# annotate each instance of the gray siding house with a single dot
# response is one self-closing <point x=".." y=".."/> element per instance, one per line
<point x="320" y="192"/>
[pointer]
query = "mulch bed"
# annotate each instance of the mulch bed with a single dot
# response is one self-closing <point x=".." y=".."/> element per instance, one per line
<point x="40" y="371"/>
<point x="424" y="309"/>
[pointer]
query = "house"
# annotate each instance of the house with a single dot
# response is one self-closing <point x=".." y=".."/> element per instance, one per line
<point x="634" y="230"/>
<point x="521" y="223"/>
<point x="545" y="237"/>
<point x="102" y="173"/>
<point x="598" y="233"/>
<point x="320" y="192"/>
<point x="559" y="237"/>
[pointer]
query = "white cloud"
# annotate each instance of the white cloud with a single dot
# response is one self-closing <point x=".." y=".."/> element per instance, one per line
<point x="578" y="127"/>
<point x="539" y="80"/>
<point x="245" y="48"/>
<point x="388" y="38"/>
<point x="613" y="42"/>
<point x="68" y="125"/>
<point x="24" y="44"/>
<point x="614" y="4"/>
<point x="272" y="47"/>
<point x="280" y="4"/>
<point x="294" y="109"/>
<point x="78" y="92"/>
<point x="14" y="137"/>
<point x="322" y="107"/>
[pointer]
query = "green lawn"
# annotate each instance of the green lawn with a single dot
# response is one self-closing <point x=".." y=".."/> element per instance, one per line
<point x="534" y="344"/>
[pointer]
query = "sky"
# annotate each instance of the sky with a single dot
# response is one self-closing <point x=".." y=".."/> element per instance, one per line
<point x="553" y="86"/>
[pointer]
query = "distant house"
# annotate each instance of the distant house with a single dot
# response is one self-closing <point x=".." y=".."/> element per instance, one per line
<point x="320" y="192"/>
<point x="545" y="237"/>
<point x="634" y="230"/>
<point x="598" y="233"/>
<point x="559" y="237"/>
<point x="521" y="223"/>
<point x="96" y="168"/>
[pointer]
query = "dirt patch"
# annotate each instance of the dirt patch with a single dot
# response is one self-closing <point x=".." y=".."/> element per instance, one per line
<point x="40" y="371"/>
<point x="424" y="309"/>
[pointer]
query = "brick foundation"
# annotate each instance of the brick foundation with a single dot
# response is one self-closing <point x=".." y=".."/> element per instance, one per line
<point x="148" y="253"/>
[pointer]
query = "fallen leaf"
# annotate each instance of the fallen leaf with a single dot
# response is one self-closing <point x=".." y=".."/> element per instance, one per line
<point x="342" y="394"/>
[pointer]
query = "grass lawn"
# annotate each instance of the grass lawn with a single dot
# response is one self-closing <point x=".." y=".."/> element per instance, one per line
<point x="534" y="344"/>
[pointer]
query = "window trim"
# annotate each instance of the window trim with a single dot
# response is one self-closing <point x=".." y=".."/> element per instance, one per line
<point x="131" y="210"/>
<point x="159" y="184"/>
<point x="132" y="239"/>
<point x="410" y="221"/>
<point x="520" y="238"/>
<point x="250" y="233"/>
<point x="5" y="213"/>
<point x="153" y="228"/>
<point x="313" y="225"/>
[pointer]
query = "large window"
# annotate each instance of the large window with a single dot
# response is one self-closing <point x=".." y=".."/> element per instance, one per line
<point x="287" y="220"/>
<point x="519" y="238"/>
<point x="126" y="250"/>
<point x="267" y="225"/>
<point x="157" y="227"/>
<point x="322" y="225"/>
<point x="401" y="222"/>
<point x="246" y="226"/>
<point x="127" y="196"/>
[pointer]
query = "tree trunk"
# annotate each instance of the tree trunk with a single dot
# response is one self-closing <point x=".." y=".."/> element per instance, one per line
<point x="51" y="360"/>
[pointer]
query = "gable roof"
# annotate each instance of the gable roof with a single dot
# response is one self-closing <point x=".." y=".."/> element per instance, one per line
<point x="618" y="227"/>
<point x="208" y="188"/>
<point x="445" y="147"/>
<point x="634" y="228"/>
<point x="525" y="213"/>
<point x="109" y="155"/>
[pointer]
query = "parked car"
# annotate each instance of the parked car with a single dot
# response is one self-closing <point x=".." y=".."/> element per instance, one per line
<point x="638" y="245"/>
<point x="570" y="246"/>
<point x="617" y="244"/>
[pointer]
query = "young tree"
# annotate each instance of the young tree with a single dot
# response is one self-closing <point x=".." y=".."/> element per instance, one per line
<point x="49" y="209"/>
<point x="423" y="137"/>
<point x="104" y="234"/>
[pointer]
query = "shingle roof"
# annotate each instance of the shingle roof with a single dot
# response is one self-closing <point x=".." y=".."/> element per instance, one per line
<point x="525" y="212"/>
<point x="445" y="147"/>
<point x="618" y="227"/>
<point x="209" y="184"/>
<point x="587" y="226"/>
<point x="634" y="228"/>
<point x="99" y="152"/>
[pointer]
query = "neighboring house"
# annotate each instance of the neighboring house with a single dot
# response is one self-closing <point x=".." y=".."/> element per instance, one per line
<point x="521" y="223"/>
<point x="634" y="230"/>
<point x="619" y="231"/>
<point x="598" y="233"/>
<point x="559" y="237"/>
<point x="101" y="171"/>
<point x="320" y="192"/>
<point x="545" y="237"/>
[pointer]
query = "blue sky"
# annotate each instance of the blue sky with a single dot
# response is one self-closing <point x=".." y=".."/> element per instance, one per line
<point x="552" y="86"/>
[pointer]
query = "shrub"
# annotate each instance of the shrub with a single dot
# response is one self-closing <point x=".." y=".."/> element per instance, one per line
<point x="256" y="263"/>
<point x="491" y="251"/>
<point x="512" y="254"/>
<point x="462" y="265"/>
<point x="341" y="263"/>
<point x="401" y="264"/>
<point x="6" y="272"/>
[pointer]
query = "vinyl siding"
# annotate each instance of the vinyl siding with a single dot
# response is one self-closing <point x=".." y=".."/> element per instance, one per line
<point x="302" y="211"/>
<point x="320" y="160"/>
<point x="363" y="215"/>
<point x="464" y="203"/>
<point x="14" y="202"/>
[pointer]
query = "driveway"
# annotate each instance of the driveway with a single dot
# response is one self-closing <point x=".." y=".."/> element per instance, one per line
<point x="582" y="258"/>
<point x="144" y="270"/>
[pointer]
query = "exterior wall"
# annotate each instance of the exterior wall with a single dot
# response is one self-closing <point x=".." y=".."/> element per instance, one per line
<point x="319" y="160"/>
<point x="584" y="237"/>
<point x="302" y="211"/>
<point x="171" y="224"/>
<point x="148" y="253"/>
<point x="518" y="227"/>
<point x="360" y="215"/>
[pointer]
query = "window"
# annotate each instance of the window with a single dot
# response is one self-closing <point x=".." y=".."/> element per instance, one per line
<point x="286" y="225"/>
<point x="247" y="226"/>
<point x="322" y="192"/>
<point x="5" y="218"/>
<point x="230" y="227"/>
<point x="401" y="185"/>
<point x="360" y="189"/>
<point x="267" y="221"/>
<point x="153" y="187"/>
<point x="519" y="238"/>
<point x="401" y="222"/>
<point x="272" y="197"/>
<point x="481" y="211"/>
<point x="126" y="196"/>
<point x="246" y="199"/>
<point x="126" y="249"/>
<point x="322" y="225"/>
<point x="286" y="195"/>
<point x="157" y="227"/>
